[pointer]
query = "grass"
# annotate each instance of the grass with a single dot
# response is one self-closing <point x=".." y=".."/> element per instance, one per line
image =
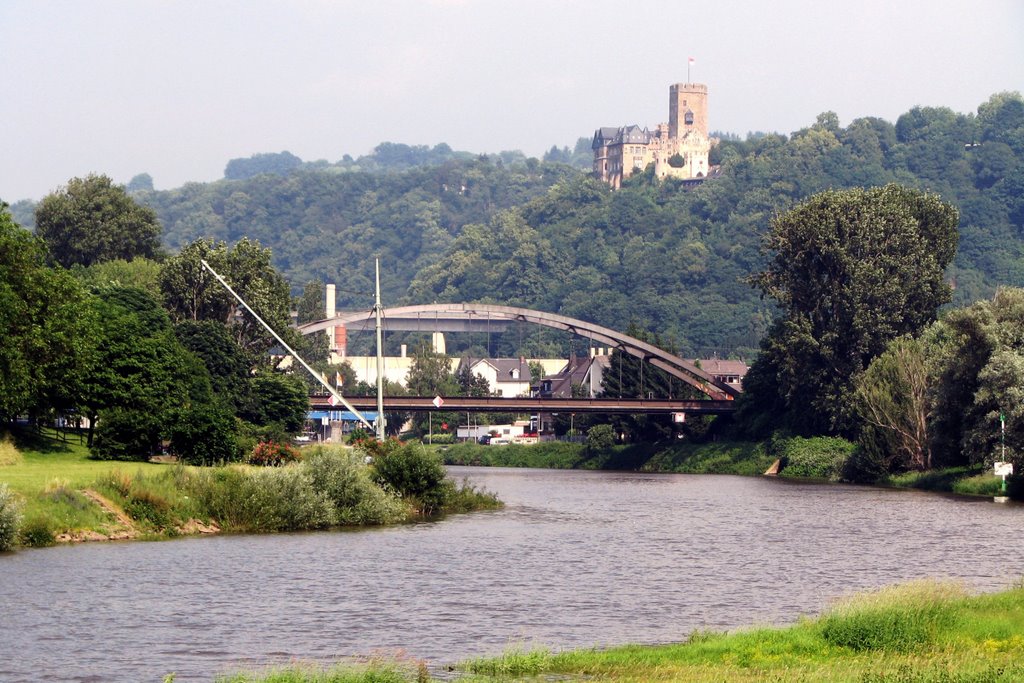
<point x="48" y="474"/>
<point x="973" y="481"/>
<point x="726" y="457"/>
<point x="342" y="673"/>
<point x="920" y="632"/>
<point x="59" y="494"/>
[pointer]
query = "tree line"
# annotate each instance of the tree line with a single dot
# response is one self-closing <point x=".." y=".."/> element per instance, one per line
<point x="105" y="329"/>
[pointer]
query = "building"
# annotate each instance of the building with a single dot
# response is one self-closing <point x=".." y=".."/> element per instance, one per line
<point x="677" y="149"/>
<point x="729" y="372"/>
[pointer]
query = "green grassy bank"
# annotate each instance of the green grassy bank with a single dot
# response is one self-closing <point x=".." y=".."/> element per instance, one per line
<point x="50" y="491"/>
<point x="922" y="632"/>
<point x="818" y="458"/>
<point x="726" y="457"/>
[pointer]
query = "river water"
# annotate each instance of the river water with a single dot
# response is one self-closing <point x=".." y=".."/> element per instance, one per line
<point x="575" y="559"/>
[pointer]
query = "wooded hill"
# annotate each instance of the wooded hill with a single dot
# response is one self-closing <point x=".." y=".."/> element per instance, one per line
<point x="454" y="227"/>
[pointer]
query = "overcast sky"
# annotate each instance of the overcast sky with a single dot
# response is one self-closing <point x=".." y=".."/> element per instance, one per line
<point x="176" y="88"/>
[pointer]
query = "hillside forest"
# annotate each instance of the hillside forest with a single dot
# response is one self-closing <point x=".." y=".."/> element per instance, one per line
<point x="685" y="265"/>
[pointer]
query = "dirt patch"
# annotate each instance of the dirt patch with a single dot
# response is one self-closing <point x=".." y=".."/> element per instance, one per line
<point x="195" y="526"/>
<point x="127" y="530"/>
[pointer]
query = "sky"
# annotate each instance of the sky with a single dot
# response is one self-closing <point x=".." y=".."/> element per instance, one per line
<point x="177" y="88"/>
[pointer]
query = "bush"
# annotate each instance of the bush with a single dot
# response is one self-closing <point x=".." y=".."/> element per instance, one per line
<point x="343" y="478"/>
<point x="280" y="499"/>
<point x="820" y="457"/>
<point x="37" y="532"/>
<point x="203" y="435"/>
<point x="9" y="453"/>
<point x="412" y="471"/>
<point x="123" y="434"/>
<point x="600" y="437"/>
<point x="273" y="454"/>
<point x="896" y="619"/>
<point x="10" y="517"/>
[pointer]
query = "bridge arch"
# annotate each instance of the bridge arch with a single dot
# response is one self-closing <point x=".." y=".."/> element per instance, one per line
<point x="427" y="315"/>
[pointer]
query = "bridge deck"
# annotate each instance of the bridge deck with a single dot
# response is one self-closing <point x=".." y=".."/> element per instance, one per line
<point x="490" y="404"/>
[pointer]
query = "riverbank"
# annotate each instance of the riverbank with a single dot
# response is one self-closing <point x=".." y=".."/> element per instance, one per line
<point x="725" y="457"/>
<point x="918" y="632"/>
<point x="818" y="458"/>
<point x="56" y="494"/>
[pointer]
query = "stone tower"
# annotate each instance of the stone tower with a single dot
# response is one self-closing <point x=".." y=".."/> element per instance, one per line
<point x="687" y="109"/>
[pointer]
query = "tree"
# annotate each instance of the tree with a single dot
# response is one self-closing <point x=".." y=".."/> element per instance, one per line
<point x="430" y="374"/>
<point x="978" y="353"/>
<point x="142" y="182"/>
<point x="92" y="220"/>
<point x="192" y="293"/>
<point x="278" y="400"/>
<point x="229" y="366"/>
<point x="139" y="377"/>
<point x="851" y="270"/>
<point x="280" y="163"/>
<point x="47" y="328"/>
<point x="894" y="398"/>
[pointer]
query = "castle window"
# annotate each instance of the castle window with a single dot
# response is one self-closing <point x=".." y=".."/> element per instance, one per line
<point x="688" y="118"/>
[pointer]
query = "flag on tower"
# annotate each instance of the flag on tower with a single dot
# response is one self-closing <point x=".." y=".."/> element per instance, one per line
<point x="692" y="61"/>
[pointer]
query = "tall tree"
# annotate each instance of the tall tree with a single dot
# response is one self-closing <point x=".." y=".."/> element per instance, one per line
<point x="192" y="293"/>
<point x="92" y="220"/>
<point x="47" y="329"/>
<point x="852" y="270"/>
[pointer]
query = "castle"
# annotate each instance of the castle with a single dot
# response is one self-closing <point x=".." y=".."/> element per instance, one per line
<point x="678" y="149"/>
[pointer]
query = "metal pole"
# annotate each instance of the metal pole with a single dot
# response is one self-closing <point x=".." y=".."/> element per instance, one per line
<point x="380" y="359"/>
<point x="288" y="348"/>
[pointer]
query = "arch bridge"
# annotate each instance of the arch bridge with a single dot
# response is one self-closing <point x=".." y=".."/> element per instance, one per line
<point x="452" y="317"/>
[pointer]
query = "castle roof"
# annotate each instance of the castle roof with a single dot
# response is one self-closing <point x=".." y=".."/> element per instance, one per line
<point x="634" y="135"/>
<point x="604" y="136"/>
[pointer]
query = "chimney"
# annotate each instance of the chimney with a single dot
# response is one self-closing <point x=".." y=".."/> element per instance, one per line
<point x="329" y="312"/>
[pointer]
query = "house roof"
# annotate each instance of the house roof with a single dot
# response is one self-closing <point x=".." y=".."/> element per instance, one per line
<point x="574" y="372"/>
<point x="718" y="366"/>
<point x="505" y="367"/>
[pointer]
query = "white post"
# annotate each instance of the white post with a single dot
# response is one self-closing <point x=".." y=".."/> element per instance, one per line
<point x="380" y="358"/>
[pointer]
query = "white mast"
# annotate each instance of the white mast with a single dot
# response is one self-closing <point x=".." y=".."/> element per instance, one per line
<point x="380" y="422"/>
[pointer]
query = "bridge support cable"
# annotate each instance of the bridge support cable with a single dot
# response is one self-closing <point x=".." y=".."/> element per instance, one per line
<point x="287" y="348"/>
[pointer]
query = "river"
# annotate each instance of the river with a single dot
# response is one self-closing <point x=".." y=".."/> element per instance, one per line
<point x="575" y="559"/>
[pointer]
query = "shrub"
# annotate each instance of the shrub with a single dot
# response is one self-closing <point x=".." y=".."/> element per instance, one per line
<point x="359" y="435"/>
<point x="279" y="499"/>
<point x="10" y="517"/>
<point x="821" y="457"/>
<point x="897" y="618"/>
<point x="273" y="454"/>
<point x="413" y="471"/>
<point x="37" y="532"/>
<point x="123" y="434"/>
<point x="343" y="478"/>
<point x="600" y="437"/>
<point x="203" y="435"/>
<point x="9" y="453"/>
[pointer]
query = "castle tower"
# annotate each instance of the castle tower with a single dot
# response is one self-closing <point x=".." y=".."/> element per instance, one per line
<point x="687" y="109"/>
